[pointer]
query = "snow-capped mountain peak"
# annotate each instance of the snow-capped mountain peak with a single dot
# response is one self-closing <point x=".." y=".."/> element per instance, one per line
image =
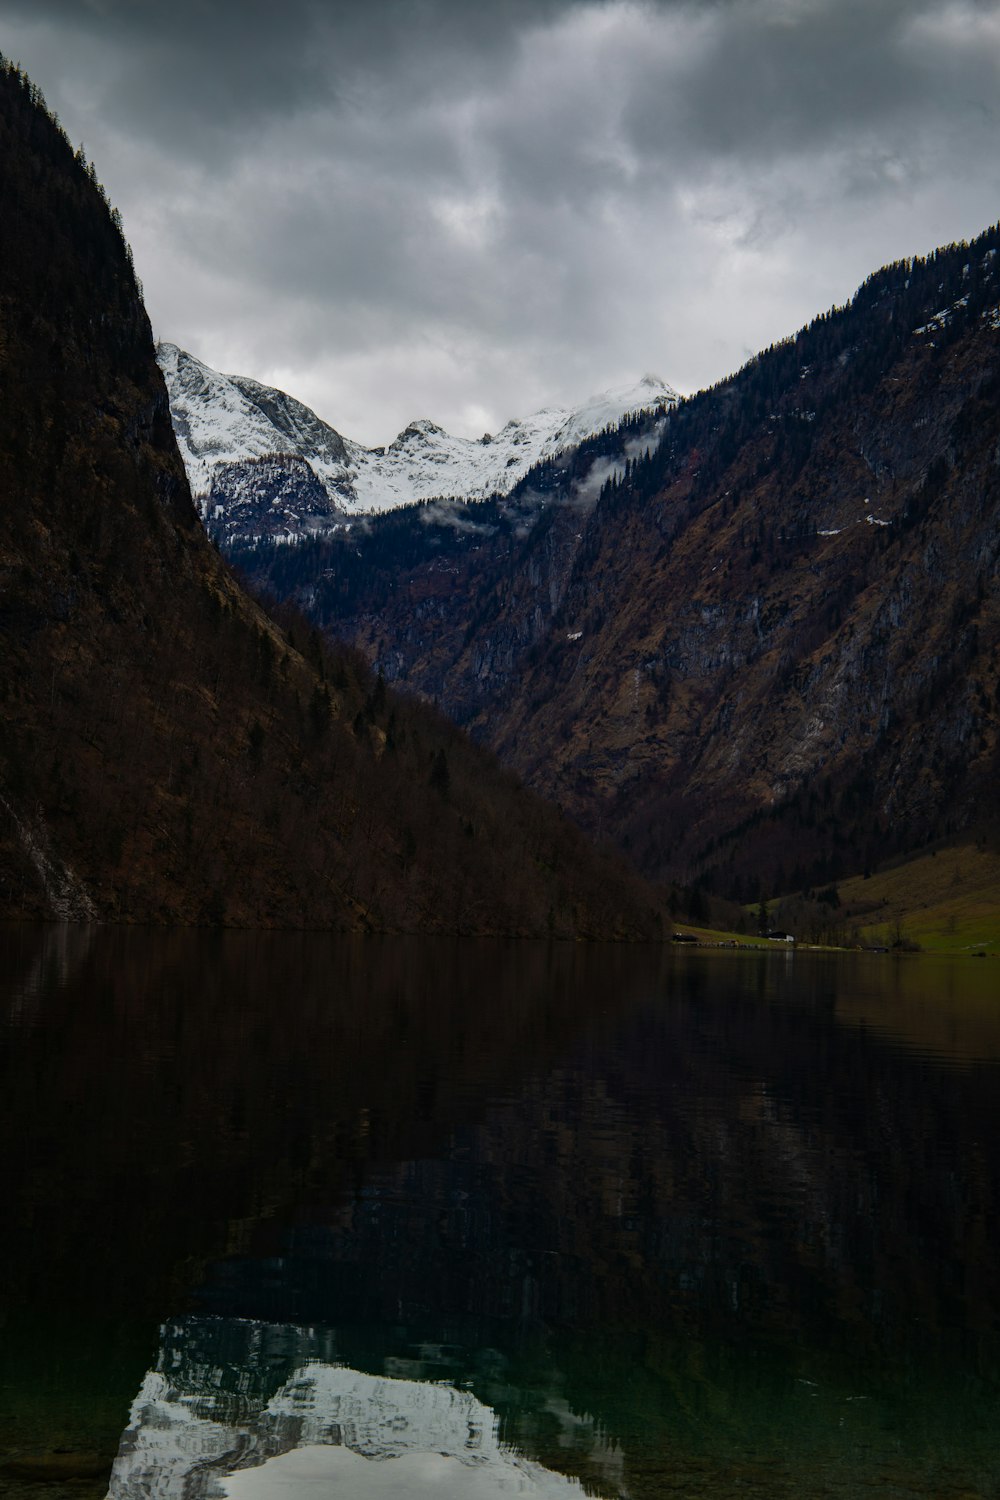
<point x="261" y="463"/>
<point x="419" y="427"/>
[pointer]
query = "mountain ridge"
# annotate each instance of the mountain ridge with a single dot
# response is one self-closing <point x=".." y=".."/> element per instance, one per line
<point x="261" y="463"/>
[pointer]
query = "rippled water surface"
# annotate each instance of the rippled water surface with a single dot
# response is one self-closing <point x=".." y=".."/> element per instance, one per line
<point x="294" y="1216"/>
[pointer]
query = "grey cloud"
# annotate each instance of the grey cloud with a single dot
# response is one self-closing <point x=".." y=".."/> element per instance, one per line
<point x="432" y="207"/>
<point x="191" y="74"/>
<point x="199" y="73"/>
<point x="771" y="85"/>
<point x="776" y="80"/>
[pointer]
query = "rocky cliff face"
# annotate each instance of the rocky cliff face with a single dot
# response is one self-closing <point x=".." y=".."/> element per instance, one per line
<point x="793" y="651"/>
<point x="168" y="752"/>
<point x="765" y="648"/>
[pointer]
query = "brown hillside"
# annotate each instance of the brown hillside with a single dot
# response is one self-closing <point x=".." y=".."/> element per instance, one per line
<point x="806" y="675"/>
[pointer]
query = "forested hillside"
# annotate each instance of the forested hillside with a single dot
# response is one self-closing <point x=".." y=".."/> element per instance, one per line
<point x="766" y="652"/>
<point x="169" y="752"/>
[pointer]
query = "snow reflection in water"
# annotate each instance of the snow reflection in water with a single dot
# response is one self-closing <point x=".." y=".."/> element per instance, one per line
<point x="327" y="1429"/>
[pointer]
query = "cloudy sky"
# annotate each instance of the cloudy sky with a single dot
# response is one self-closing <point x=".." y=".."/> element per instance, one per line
<point x="465" y="209"/>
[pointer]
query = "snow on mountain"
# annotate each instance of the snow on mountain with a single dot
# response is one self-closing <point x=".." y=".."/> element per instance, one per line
<point x="262" y="464"/>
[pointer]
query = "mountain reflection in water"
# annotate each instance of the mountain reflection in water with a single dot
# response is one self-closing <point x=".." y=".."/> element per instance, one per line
<point x="676" y="1223"/>
<point x="202" y="1427"/>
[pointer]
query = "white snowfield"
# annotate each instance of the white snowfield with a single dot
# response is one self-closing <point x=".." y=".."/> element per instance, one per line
<point x="329" y="1430"/>
<point x="225" y="420"/>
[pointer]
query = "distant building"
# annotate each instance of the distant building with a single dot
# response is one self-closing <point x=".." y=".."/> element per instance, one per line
<point x="781" y="937"/>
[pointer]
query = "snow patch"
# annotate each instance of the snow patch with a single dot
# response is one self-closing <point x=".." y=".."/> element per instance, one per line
<point x="943" y="318"/>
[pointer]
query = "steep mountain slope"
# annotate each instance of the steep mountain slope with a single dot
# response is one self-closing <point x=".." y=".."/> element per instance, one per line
<point x="167" y="752"/>
<point x="770" y="651"/>
<point x="261" y="464"/>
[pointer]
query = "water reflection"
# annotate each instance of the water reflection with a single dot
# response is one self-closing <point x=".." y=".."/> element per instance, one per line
<point x="228" y="1399"/>
<point x="678" y="1223"/>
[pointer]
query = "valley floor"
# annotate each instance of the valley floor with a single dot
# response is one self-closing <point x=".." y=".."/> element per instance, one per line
<point x="943" y="902"/>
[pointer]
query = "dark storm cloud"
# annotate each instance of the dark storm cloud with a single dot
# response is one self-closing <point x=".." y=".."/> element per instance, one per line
<point x="869" y="79"/>
<point x="176" y="70"/>
<point x="436" y="207"/>
<point x="202" y="72"/>
<point x="793" y="76"/>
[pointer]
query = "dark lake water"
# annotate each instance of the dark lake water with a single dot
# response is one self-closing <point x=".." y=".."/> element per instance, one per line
<point x="290" y="1217"/>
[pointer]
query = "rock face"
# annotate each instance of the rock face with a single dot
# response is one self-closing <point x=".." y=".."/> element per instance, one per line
<point x="262" y="465"/>
<point x="767" y="648"/>
<point x="168" y="752"/>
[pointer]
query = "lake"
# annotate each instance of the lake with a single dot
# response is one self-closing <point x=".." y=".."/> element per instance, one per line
<point x="298" y="1216"/>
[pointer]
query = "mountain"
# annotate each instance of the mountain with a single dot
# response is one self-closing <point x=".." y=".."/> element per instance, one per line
<point x="168" y="751"/>
<point x="261" y="464"/>
<point x="757" y="645"/>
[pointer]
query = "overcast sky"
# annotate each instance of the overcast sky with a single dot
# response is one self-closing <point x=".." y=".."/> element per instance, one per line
<point x="466" y="209"/>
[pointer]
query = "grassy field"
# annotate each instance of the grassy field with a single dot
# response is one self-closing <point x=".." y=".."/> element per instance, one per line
<point x="944" y="902"/>
<point x="947" y="902"/>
